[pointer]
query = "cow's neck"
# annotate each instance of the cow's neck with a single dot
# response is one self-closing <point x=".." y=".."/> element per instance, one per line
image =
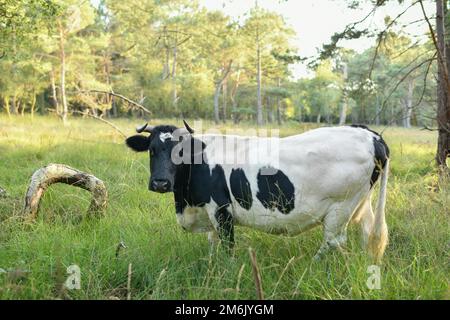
<point x="192" y="186"/>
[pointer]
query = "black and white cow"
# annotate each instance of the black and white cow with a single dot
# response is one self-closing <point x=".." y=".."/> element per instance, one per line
<point x="324" y="176"/>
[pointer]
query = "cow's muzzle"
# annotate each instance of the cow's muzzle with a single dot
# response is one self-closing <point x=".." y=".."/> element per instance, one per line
<point x="160" y="186"/>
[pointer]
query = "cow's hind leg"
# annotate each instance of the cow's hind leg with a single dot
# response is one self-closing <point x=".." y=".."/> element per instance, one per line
<point x="365" y="217"/>
<point x="335" y="229"/>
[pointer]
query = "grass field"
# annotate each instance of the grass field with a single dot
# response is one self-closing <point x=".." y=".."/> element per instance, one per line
<point x="168" y="263"/>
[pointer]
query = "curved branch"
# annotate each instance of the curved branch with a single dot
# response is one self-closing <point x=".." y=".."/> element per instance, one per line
<point x="60" y="173"/>
<point x="134" y="103"/>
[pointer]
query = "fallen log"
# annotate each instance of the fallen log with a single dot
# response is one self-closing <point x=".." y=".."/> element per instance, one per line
<point x="60" y="173"/>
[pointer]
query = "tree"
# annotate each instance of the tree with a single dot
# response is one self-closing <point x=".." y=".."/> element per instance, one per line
<point x="265" y="32"/>
<point x="443" y="111"/>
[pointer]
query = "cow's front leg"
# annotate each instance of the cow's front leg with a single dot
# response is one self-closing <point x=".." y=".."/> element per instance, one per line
<point x="225" y="225"/>
<point x="213" y="239"/>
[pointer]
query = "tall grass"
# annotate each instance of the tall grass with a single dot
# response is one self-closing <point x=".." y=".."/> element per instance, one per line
<point x="169" y="263"/>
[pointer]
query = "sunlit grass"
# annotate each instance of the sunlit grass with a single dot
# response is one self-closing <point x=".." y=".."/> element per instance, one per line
<point x="169" y="263"/>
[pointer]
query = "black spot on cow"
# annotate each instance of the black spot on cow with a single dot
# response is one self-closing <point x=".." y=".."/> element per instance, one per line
<point x="381" y="156"/>
<point x="221" y="196"/>
<point x="240" y="188"/>
<point x="192" y="186"/>
<point x="276" y="191"/>
<point x="382" y="153"/>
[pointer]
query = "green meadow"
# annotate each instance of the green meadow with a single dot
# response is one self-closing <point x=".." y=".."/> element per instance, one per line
<point x="168" y="263"/>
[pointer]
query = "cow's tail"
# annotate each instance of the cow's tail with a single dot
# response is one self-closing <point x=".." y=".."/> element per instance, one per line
<point x="378" y="238"/>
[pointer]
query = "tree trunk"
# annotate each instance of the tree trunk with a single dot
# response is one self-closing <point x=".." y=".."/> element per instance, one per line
<point x="443" y="112"/>
<point x="54" y="94"/>
<point x="216" y="103"/>
<point x="33" y="104"/>
<point x="225" y="100"/>
<point x="279" y="117"/>
<point x="259" y="112"/>
<point x="14" y="104"/>
<point x="300" y="113"/>
<point x="319" y="116"/>
<point x="219" y="84"/>
<point x="269" y="110"/>
<point x="343" y="113"/>
<point x="166" y="68"/>
<point x="408" y="104"/>
<point x="233" y="96"/>
<point x="62" y="56"/>
<point x="22" y="111"/>
<point x="378" y="111"/>
<point x="174" y="76"/>
<point x="8" y="112"/>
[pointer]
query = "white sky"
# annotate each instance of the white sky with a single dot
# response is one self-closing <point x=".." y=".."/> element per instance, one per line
<point x="315" y="21"/>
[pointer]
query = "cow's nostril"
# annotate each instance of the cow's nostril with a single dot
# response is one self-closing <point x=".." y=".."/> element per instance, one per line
<point x="160" y="185"/>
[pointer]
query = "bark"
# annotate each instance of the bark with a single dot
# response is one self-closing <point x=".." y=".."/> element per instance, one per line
<point x="224" y="100"/>
<point x="174" y="76"/>
<point x="269" y="110"/>
<point x="14" y="104"/>
<point x="59" y="173"/>
<point x="279" y="117"/>
<point x="7" y="107"/>
<point x="443" y="112"/>
<point x="259" y="112"/>
<point x="300" y="113"/>
<point x="378" y="111"/>
<point x="319" y="116"/>
<point x="54" y="94"/>
<point x="219" y="85"/>
<point x="62" y="56"/>
<point x="408" y="105"/>
<point x="107" y="72"/>
<point x="233" y="96"/>
<point x="343" y="113"/>
<point x="22" y="111"/>
<point x="166" y="68"/>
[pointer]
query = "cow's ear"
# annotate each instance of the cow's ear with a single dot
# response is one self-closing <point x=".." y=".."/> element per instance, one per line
<point x="138" y="143"/>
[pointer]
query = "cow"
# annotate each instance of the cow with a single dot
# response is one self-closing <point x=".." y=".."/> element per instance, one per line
<point x="324" y="176"/>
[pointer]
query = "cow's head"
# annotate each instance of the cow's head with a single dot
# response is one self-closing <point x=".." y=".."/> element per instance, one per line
<point x="160" y="144"/>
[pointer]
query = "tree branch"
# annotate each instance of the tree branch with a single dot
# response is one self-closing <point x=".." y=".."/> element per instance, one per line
<point x="134" y="103"/>
<point x="441" y="61"/>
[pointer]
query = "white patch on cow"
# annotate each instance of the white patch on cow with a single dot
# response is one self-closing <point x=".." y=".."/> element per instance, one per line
<point x="195" y="219"/>
<point x="164" y="136"/>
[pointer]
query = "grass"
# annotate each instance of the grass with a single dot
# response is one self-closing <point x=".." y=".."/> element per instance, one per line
<point x="169" y="263"/>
